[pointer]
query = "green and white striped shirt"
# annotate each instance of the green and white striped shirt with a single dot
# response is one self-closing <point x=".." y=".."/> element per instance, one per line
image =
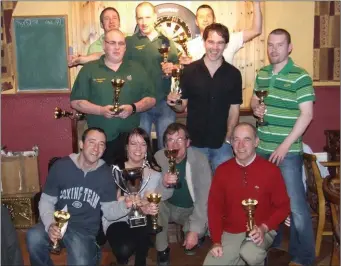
<point x="287" y="90"/>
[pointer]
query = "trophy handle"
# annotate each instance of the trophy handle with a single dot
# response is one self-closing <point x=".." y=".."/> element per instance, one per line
<point x="145" y="183"/>
<point x="115" y="168"/>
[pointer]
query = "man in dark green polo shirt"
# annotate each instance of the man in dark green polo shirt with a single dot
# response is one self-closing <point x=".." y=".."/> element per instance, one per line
<point x="143" y="47"/>
<point x="92" y="93"/>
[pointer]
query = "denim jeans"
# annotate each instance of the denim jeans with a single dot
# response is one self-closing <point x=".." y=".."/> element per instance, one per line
<point x="161" y="115"/>
<point x="301" y="245"/>
<point x="81" y="249"/>
<point x="217" y="156"/>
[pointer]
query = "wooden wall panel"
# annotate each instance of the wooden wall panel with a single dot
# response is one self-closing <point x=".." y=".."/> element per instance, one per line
<point x="236" y="15"/>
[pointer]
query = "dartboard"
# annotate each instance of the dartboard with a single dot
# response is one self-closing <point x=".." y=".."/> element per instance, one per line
<point x="175" y="20"/>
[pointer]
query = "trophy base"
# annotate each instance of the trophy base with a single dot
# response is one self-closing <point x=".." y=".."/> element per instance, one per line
<point x="56" y="249"/>
<point x="156" y="230"/>
<point x="262" y="123"/>
<point x="137" y="221"/>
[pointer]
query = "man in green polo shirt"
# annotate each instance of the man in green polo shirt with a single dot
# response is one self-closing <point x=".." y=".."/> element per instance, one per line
<point x="143" y="47"/>
<point x="287" y="110"/>
<point x="92" y="93"/>
<point x="185" y="204"/>
<point x="110" y="20"/>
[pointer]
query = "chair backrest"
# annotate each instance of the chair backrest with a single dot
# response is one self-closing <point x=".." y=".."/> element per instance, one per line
<point x="333" y="144"/>
<point x="314" y="180"/>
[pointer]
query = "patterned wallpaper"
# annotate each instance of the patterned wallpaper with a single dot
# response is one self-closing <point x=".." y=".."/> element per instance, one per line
<point x="327" y="41"/>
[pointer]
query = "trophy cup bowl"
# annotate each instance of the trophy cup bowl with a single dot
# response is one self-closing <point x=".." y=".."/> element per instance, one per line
<point x="130" y="180"/>
<point x="155" y="198"/>
<point x="164" y="50"/>
<point x="171" y="155"/>
<point x="176" y="73"/>
<point x="117" y="84"/>
<point x="249" y="206"/>
<point x="261" y="94"/>
<point x="61" y="217"/>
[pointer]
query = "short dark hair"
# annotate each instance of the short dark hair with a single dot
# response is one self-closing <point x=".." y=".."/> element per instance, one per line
<point x="150" y="157"/>
<point x="172" y="128"/>
<point x="86" y="132"/>
<point x="51" y="162"/>
<point x="220" y="29"/>
<point x="205" y="6"/>
<point x="254" y="130"/>
<point x="106" y="9"/>
<point x="280" y="31"/>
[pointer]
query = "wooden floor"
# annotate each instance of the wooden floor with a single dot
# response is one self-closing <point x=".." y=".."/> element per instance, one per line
<point x="276" y="257"/>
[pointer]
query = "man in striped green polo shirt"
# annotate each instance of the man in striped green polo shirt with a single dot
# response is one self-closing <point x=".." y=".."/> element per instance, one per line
<point x="287" y="111"/>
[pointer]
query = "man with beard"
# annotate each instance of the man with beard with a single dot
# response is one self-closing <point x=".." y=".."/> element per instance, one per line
<point x="212" y="93"/>
<point x="287" y="110"/>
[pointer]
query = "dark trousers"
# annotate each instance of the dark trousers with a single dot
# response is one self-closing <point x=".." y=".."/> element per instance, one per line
<point x="115" y="149"/>
<point x="126" y="241"/>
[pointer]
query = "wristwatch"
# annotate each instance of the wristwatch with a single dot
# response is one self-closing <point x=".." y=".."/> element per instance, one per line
<point x="134" y="108"/>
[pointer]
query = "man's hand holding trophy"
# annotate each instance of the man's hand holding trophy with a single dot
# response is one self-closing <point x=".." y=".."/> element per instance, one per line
<point x="171" y="179"/>
<point x="54" y="232"/>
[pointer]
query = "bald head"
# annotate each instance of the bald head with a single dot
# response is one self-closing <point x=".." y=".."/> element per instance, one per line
<point x="113" y="32"/>
<point x="145" y="4"/>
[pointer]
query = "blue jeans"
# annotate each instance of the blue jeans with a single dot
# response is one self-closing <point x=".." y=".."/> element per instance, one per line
<point x="81" y="249"/>
<point x="161" y="115"/>
<point x="301" y="245"/>
<point x="217" y="156"/>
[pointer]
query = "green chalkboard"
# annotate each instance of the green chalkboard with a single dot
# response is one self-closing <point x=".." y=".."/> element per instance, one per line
<point x="40" y="46"/>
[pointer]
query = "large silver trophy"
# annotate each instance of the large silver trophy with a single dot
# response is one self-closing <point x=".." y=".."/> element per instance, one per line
<point x="130" y="180"/>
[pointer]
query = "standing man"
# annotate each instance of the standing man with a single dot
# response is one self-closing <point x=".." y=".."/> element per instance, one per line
<point x="288" y="110"/>
<point x="143" y="47"/>
<point x="186" y="205"/>
<point x="92" y="93"/>
<point x="82" y="183"/>
<point x="212" y="93"/>
<point x="205" y="16"/>
<point x="110" y="20"/>
<point x="247" y="176"/>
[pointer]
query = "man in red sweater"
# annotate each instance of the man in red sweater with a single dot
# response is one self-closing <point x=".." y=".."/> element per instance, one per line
<point x="243" y="177"/>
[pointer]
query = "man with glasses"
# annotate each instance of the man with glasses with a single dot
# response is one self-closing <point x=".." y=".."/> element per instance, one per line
<point x="186" y="203"/>
<point x="92" y="93"/>
<point x="212" y="93"/>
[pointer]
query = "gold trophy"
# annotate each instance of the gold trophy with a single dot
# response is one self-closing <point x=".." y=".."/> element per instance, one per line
<point x="59" y="113"/>
<point x="249" y="206"/>
<point x="155" y="198"/>
<point x="176" y="73"/>
<point x="183" y="42"/>
<point x="164" y="50"/>
<point x="171" y="155"/>
<point x="261" y="94"/>
<point x="117" y="84"/>
<point x="61" y="217"/>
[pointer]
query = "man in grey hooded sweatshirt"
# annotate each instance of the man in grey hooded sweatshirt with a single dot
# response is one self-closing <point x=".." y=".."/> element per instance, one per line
<point x="81" y="183"/>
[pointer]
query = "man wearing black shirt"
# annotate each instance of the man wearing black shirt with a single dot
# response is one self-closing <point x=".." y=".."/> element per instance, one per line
<point x="212" y="93"/>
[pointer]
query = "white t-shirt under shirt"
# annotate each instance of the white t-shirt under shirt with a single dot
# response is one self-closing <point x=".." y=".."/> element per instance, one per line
<point x="196" y="47"/>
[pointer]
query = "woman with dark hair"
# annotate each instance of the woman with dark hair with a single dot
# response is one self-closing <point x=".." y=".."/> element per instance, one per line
<point x="126" y="241"/>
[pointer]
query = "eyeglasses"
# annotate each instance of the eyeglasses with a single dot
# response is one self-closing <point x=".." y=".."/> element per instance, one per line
<point x="120" y="44"/>
<point x="178" y="141"/>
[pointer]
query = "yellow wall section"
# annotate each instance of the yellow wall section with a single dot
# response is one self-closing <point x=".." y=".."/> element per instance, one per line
<point x="297" y="17"/>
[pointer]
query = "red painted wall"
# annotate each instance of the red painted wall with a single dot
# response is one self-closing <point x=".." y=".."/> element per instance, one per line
<point x="28" y="119"/>
<point x="326" y="116"/>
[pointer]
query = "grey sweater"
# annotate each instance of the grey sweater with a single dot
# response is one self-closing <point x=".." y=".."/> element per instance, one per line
<point x="198" y="177"/>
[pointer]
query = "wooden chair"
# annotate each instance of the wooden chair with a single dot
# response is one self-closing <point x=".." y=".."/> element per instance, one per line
<point x="315" y="190"/>
<point x="331" y="189"/>
<point x="333" y="144"/>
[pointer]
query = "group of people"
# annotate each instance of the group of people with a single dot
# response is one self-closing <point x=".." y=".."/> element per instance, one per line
<point x="220" y="162"/>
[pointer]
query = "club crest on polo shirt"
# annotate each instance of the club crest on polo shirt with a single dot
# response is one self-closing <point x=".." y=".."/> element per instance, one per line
<point x="140" y="47"/>
<point x="99" y="80"/>
<point x="80" y="196"/>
